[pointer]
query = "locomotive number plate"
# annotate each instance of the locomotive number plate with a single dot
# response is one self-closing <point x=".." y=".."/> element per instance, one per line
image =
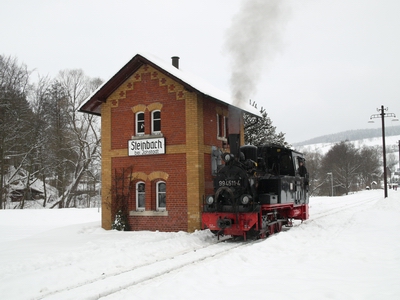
<point x="229" y="183"/>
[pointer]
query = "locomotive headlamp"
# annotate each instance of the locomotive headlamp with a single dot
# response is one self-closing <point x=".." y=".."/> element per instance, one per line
<point x="210" y="200"/>
<point x="227" y="157"/>
<point x="245" y="199"/>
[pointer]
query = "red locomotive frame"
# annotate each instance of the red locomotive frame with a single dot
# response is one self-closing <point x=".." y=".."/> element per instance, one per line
<point x="252" y="222"/>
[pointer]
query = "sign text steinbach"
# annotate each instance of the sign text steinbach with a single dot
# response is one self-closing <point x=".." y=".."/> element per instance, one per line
<point x="146" y="147"/>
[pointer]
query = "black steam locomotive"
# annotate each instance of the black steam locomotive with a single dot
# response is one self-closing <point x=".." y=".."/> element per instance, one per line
<point x="257" y="191"/>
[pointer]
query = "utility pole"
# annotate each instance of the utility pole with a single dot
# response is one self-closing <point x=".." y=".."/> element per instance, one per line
<point x="382" y="115"/>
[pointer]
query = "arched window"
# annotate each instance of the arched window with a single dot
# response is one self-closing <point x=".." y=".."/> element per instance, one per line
<point x="161" y="201"/>
<point x="139" y="123"/>
<point x="156" y="122"/>
<point x="140" y="195"/>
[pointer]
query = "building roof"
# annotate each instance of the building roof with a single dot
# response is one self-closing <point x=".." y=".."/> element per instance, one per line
<point x="192" y="83"/>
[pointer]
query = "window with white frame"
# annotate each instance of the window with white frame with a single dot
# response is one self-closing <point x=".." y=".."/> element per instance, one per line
<point x="156" y="122"/>
<point x="161" y="203"/>
<point x="140" y="195"/>
<point x="139" y="123"/>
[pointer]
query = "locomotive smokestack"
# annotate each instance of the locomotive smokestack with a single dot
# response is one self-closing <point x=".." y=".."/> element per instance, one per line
<point x="175" y="61"/>
<point x="234" y="120"/>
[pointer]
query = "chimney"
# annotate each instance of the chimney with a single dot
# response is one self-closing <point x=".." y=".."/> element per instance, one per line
<point x="175" y="61"/>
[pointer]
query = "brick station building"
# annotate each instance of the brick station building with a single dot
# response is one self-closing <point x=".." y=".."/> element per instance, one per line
<point x="167" y="128"/>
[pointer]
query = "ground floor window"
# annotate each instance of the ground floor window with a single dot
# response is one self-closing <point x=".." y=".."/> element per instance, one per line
<point x="140" y="196"/>
<point x="161" y="203"/>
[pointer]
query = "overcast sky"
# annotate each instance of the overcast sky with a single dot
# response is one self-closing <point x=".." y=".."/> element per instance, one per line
<point x="317" y="67"/>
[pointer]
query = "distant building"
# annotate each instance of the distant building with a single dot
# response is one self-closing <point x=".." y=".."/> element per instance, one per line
<point x="170" y="128"/>
<point x="21" y="185"/>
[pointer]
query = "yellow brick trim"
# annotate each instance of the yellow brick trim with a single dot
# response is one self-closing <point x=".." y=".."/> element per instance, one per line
<point x="106" y="176"/>
<point x="138" y="176"/>
<point x="175" y="149"/>
<point x="194" y="158"/>
<point x="128" y="85"/>
<point x="158" y="174"/>
<point x="139" y="107"/>
<point x="172" y="86"/>
<point x="119" y="152"/>
<point x="155" y="106"/>
<point x="206" y="149"/>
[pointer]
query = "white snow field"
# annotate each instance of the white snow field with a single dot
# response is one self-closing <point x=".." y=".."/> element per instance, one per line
<point x="348" y="249"/>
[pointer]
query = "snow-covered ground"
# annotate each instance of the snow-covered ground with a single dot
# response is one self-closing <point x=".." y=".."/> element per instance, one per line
<point x="349" y="249"/>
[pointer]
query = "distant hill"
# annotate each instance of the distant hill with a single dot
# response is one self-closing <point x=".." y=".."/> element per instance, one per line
<point x="351" y="135"/>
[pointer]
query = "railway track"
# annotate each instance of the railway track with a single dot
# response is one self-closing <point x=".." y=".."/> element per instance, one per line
<point x="343" y="207"/>
<point x="108" y="284"/>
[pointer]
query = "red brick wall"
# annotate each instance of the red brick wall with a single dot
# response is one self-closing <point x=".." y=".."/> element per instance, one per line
<point x="146" y="92"/>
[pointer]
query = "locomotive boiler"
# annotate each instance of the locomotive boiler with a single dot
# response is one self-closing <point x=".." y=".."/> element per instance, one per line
<point x="257" y="191"/>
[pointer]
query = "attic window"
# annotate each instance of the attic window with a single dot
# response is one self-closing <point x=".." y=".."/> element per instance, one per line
<point x="156" y="122"/>
<point x="140" y="123"/>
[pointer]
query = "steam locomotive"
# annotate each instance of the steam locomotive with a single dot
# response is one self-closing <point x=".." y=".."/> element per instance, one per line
<point x="257" y="191"/>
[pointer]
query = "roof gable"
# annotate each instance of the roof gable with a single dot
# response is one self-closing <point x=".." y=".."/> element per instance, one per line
<point x="193" y="84"/>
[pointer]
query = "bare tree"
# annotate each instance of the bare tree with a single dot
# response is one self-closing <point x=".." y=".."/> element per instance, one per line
<point x="370" y="166"/>
<point x="316" y="178"/>
<point x="83" y="132"/>
<point x="343" y="160"/>
<point x="45" y="104"/>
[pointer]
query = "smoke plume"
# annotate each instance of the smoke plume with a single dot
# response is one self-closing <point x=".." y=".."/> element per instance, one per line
<point x="253" y="39"/>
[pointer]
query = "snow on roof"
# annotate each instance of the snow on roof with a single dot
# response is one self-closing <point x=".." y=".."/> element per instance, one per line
<point x="201" y="85"/>
<point x="18" y="180"/>
<point x="189" y="79"/>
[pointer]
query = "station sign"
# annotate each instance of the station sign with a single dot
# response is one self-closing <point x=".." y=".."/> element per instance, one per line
<point x="153" y="146"/>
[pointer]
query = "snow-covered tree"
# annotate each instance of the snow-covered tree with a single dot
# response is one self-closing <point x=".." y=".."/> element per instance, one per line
<point x="259" y="131"/>
<point x="16" y="117"/>
<point x="43" y="134"/>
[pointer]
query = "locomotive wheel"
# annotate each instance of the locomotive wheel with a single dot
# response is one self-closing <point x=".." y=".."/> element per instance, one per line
<point x="278" y="227"/>
<point x="271" y="230"/>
